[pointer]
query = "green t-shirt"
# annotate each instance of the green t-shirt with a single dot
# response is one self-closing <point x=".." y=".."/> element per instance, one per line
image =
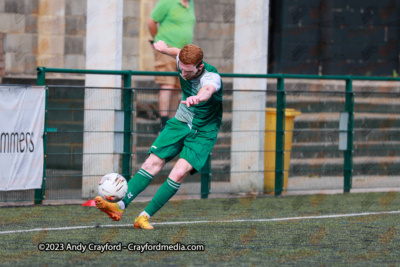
<point x="206" y="116"/>
<point x="176" y="22"/>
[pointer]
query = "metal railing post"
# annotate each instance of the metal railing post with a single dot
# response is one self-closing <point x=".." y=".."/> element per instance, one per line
<point x="280" y="136"/>
<point x="127" y="106"/>
<point x="40" y="193"/>
<point x="348" y="153"/>
<point x="41" y="76"/>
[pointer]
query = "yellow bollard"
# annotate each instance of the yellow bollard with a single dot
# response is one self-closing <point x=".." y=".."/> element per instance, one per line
<point x="270" y="147"/>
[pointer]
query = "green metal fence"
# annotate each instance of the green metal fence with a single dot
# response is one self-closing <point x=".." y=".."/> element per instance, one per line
<point x="317" y="152"/>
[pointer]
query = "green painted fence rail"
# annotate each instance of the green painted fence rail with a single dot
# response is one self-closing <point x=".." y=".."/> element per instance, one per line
<point x="126" y="76"/>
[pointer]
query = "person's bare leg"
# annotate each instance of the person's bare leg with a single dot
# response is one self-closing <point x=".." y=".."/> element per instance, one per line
<point x="181" y="169"/>
<point x="164" y="99"/>
<point x="175" y="100"/>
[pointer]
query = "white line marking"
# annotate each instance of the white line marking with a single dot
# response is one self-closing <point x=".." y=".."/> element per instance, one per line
<point x="210" y="221"/>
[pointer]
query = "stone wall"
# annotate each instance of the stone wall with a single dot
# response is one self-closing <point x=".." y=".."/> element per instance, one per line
<point x="75" y="34"/>
<point x="2" y="56"/>
<point x="18" y="22"/>
<point x="52" y="33"/>
<point x="214" y="32"/>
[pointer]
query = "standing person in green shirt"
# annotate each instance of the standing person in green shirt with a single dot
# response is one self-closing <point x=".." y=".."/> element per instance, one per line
<point x="176" y="19"/>
<point x="192" y="134"/>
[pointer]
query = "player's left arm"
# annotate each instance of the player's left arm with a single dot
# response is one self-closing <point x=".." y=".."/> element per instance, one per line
<point x="202" y="96"/>
<point x="211" y="83"/>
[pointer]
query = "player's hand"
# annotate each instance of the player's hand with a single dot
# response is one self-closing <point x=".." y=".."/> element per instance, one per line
<point x="160" y="46"/>
<point x="190" y="101"/>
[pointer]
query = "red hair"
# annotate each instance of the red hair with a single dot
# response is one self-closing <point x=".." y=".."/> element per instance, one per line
<point x="191" y="54"/>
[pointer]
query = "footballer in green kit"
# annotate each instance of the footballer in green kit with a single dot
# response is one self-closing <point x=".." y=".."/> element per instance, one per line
<point x="191" y="134"/>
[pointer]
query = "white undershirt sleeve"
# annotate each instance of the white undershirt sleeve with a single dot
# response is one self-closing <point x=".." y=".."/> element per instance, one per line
<point x="211" y="78"/>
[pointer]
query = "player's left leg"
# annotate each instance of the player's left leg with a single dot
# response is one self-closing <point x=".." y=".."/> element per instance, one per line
<point x="166" y="191"/>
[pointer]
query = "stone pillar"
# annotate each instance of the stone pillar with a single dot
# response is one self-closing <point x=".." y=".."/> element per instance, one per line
<point x="248" y="119"/>
<point x="103" y="51"/>
<point x="146" y="56"/>
<point x="51" y="33"/>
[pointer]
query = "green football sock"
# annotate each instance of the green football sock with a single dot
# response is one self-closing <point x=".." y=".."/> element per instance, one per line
<point x="137" y="184"/>
<point x="164" y="193"/>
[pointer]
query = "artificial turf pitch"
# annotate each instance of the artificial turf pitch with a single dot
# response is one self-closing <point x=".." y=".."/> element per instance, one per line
<point x="369" y="239"/>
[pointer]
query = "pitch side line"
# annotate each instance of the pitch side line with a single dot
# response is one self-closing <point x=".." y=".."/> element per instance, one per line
<point x="210" y="221"/>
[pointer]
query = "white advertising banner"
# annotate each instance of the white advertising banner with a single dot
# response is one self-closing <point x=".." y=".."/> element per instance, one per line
<point x="22" y="110"/>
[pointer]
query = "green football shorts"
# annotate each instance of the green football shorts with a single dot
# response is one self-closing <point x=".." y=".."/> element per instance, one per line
<point x="193" y="145"/>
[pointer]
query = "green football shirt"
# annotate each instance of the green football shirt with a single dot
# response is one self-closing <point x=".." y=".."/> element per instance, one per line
<point x="176" y="22"/>
<point x="206" y="116"/>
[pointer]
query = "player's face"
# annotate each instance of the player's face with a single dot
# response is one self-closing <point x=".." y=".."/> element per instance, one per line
<point x="188" y="70"/>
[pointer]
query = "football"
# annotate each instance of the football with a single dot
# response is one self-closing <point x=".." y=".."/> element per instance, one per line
<point x="113" y="187"/>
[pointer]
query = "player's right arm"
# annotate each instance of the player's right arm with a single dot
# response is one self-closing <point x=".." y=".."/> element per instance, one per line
<point x="162" y="47"/>
<point x="202" y="96"/>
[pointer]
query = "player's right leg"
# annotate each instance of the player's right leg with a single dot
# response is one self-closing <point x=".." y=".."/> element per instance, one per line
<point x="113" y="210"/>
<point x="136" y="185"/>
<point x="151" y="167"/>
